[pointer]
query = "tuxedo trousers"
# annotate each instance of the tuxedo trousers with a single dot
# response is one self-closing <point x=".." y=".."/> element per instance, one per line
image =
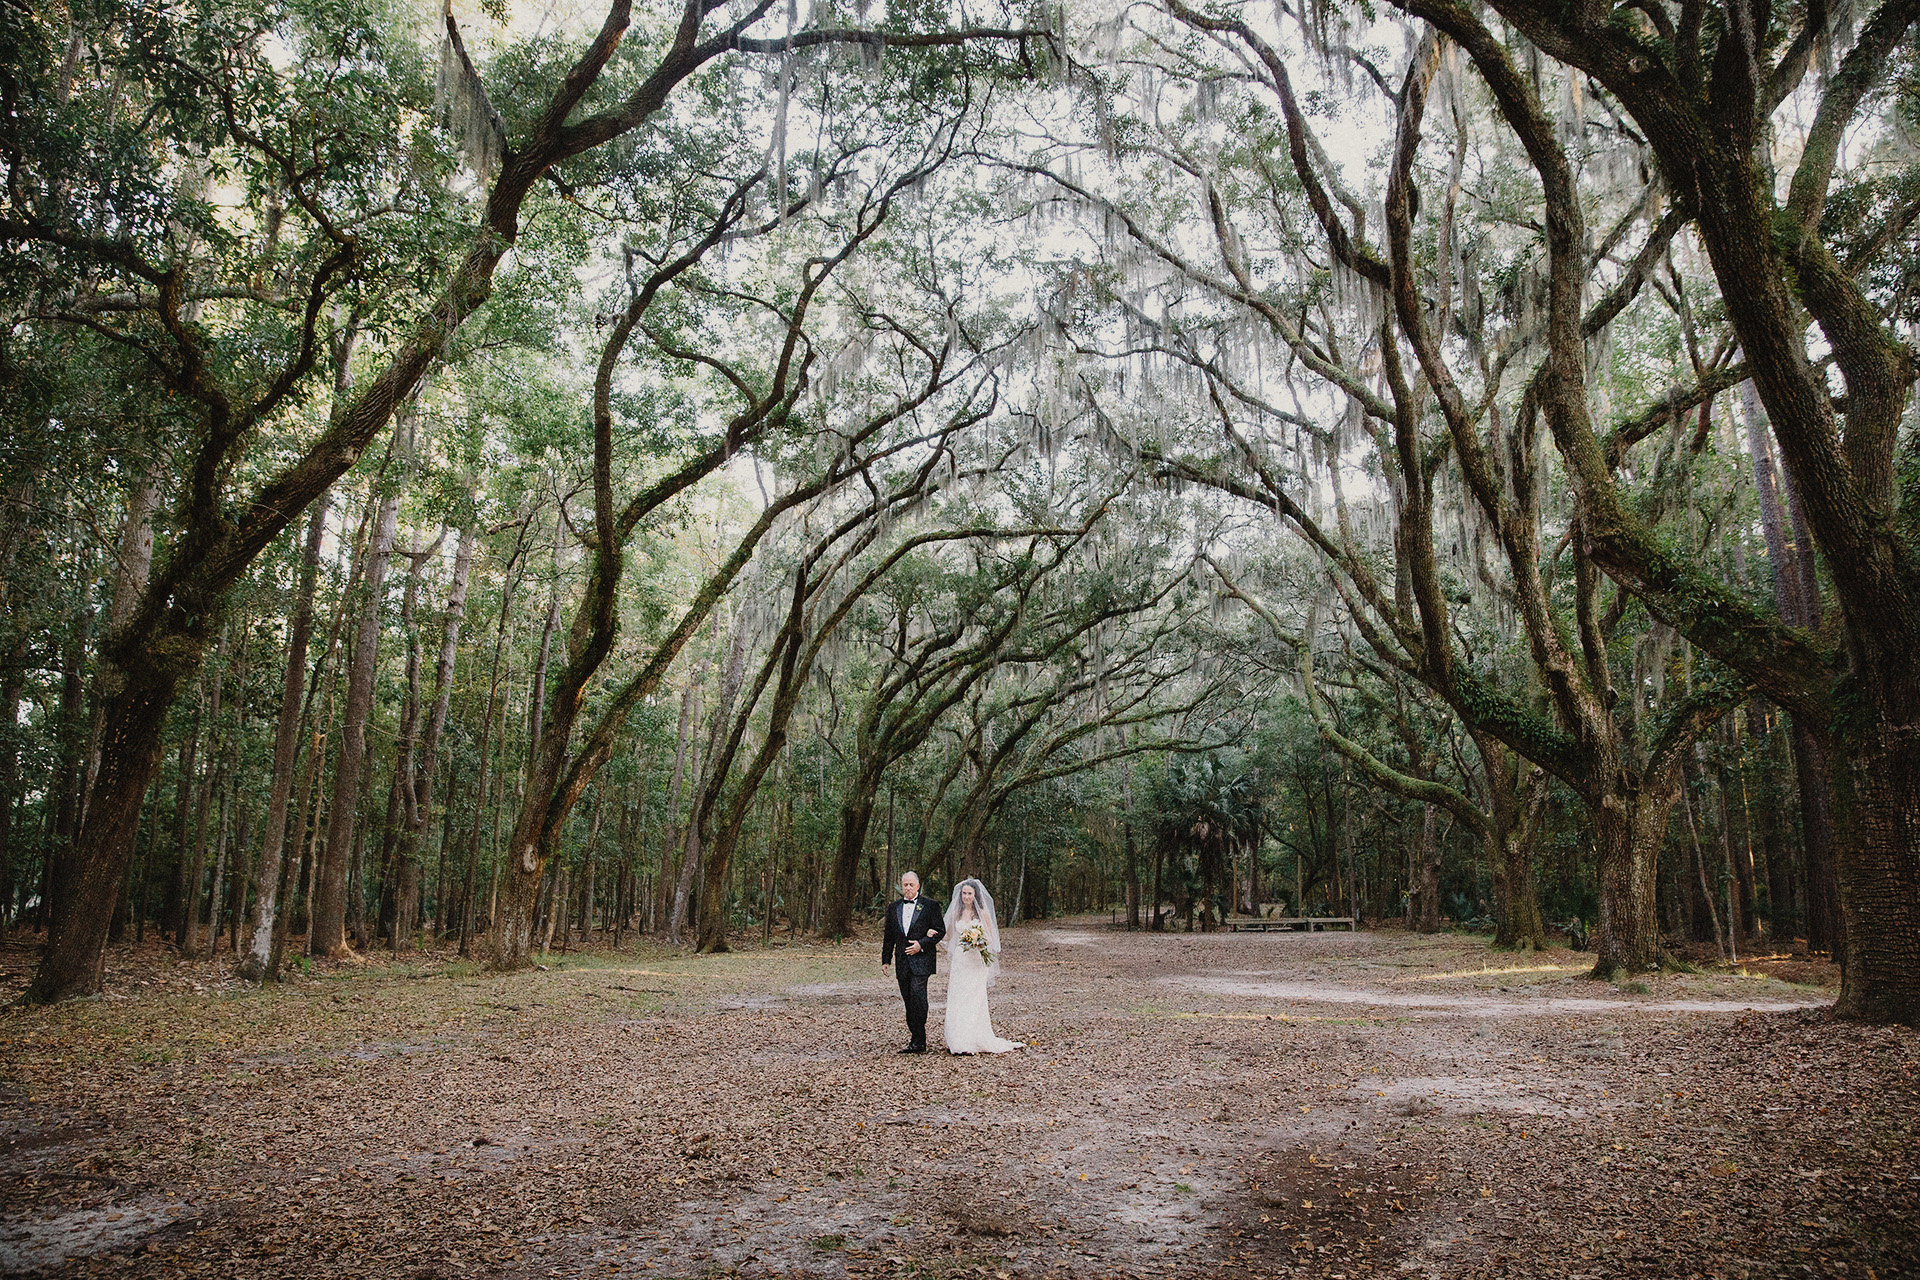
<point x="913" y="990"/>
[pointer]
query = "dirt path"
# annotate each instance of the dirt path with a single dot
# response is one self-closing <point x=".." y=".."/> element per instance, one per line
<point x="1328" y="1105"/>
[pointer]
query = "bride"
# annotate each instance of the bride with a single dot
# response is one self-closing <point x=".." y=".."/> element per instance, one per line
<point x="971" y="969"/>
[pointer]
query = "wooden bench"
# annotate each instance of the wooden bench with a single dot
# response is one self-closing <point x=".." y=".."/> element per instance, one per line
<point x="1292" y="924"/>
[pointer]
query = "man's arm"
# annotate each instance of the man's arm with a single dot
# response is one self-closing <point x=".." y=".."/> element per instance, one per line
<point x="886" y="940"/>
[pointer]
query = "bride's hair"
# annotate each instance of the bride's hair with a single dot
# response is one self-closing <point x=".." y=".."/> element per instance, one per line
<point x="982" y="909"/>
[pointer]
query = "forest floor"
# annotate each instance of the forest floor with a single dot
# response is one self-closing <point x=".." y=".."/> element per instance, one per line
<point x="1328" y="1105"/>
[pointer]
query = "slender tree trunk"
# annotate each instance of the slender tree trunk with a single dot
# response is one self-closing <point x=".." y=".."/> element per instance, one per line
<point x="537" y="700"/>
<point x="689" y="852"/>
<point x="1130" y="850"/>
<point x="1819" y="838"/>
<point x="1738" y="857"/>
<point x="12" y="686"/>
<point x="216" y="891"/>
<point x="257" y="964"/>
<point x="856" y="818"/>
<point x="209" y="783"/>
<point x="242" y="880"/>
<point x="676" y="792"/>
<point x="1429" y="917"/>
<point x="556" y="904"/>
<point x="623" y="841"/>
<point x="310" y="819"/>
<point x="175" y="913"/>
<point x="1020" y="887"/>
<point x="69" y="767"/>
<point x="418" y="778"/>
<point x="1159" y="861"/>
<point x="467" y="889"/>
<point x="402" y="787"/>
<point x="587" y="873"/>
<point x="1775" y="768"/>
<point x="327" y="935"/>
<point x="713" y="886"/>
<point x="1796" y="591"/>
<point x="1700" y="866"/>
<point x="309" y="824"/>
<point x="357" y="884"/>
<point x="486" y="758"/>
<point x="442" y="879"/>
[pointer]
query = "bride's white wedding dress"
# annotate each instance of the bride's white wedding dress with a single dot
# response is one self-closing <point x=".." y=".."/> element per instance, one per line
<point x="969" y="1024"/>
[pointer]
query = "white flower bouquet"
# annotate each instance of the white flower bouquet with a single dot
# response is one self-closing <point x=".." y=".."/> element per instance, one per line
<point x="974" y="938"/>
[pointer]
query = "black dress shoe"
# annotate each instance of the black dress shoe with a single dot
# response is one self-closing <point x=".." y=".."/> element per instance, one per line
<point x="914" y="1048"/>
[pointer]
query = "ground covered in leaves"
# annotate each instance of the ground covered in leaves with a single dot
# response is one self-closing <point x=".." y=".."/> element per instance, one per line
<point x="1326" y="1105"/>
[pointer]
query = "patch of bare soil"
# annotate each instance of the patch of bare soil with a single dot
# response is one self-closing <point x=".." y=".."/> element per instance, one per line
<point x="1327" y="1105"/>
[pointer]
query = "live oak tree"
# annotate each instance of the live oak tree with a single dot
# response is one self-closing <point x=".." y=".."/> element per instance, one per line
<point x="1498" y="801"/>
<point x="1428" y="373"/>
<point x="336" y="159"/>
<point x="939" y="639"/>
<point x="1704" y="86"/>
<point x="665" y="473"/>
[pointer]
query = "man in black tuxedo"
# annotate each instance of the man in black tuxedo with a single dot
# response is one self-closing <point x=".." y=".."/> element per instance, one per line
<point x="913" y="926"/>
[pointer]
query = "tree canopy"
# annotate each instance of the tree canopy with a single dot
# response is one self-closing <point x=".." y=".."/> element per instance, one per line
<point x="478" y="479"/>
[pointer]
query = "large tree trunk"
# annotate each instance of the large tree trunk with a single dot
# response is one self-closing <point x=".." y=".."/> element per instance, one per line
<point x="1519" y="923"/>
<point x="257" y="964"/>
<point x="133" y="565"/>
<point x="1846" y="482"/>
<point x="1516" y="815"/>
<point x="514" y="914"/>
<point x="1879" y="875"/>
<point x="1628" y="827"/>
<point x="132" y="738"/>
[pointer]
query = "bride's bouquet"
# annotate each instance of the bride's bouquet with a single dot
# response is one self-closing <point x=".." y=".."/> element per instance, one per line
<point x="974" y="938"/>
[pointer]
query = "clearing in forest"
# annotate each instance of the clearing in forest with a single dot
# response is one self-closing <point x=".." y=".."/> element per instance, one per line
<point x="1319" y="1105"/>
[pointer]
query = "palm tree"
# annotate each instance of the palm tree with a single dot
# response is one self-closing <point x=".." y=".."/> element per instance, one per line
<point x="1208" y="811"/>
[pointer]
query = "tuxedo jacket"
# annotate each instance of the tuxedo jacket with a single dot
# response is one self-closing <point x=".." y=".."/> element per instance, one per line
<point x="929" y="926"/>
